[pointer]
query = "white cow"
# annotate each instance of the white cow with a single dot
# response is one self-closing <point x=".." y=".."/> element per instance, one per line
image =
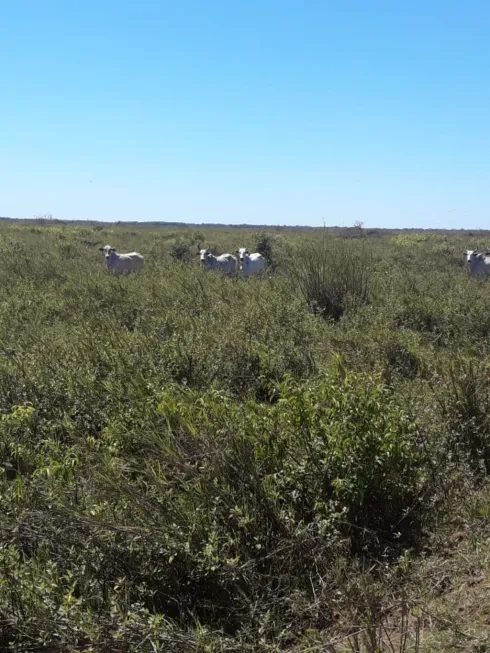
<point x="119" y="263"/>
<point x="250" y="263"/>
<point x="478" y="263"/>
<point x="226" y="263"/>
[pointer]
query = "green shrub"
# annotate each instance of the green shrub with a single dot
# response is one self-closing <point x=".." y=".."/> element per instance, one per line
<point x="181" y="251"/>
<point x="330" y="273"/>
<point x="464" y="398"/>
<point x="264" y="247"/>
<point x="356" y="449"/>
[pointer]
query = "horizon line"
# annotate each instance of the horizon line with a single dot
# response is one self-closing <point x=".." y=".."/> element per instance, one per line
<point x="49" y="219"/>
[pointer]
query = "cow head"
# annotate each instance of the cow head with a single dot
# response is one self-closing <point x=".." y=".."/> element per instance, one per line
<point x="106" y="249"/>
<point x="242" y="254"/>
<point x="204" y="255"/>
<point x="110" y="253"/>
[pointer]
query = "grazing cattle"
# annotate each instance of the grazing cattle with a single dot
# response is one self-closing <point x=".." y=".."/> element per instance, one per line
<point x="226" y="263"/>
<point x="250" y="264"/>
<point x="119" y="263"/>
<point x="478" y="263"/>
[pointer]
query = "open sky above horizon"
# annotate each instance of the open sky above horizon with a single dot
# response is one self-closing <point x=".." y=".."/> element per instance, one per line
<point x="265" y="111"/>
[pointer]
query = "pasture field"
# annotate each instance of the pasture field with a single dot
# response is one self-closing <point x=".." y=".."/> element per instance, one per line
<point x="190" y="462"/>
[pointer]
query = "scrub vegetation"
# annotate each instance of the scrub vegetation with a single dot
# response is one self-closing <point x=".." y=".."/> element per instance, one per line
<point x="192" y="462"/>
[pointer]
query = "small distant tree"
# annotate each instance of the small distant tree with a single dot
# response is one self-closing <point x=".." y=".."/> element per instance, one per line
<point x="43" y="218"/>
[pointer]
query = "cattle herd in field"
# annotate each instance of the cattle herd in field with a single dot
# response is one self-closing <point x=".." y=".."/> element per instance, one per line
<point x="243" y="262"/>
<point x="248" y="264"/>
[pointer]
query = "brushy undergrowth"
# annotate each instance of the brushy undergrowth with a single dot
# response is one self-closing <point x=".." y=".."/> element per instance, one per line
<point x="198" y="463"/>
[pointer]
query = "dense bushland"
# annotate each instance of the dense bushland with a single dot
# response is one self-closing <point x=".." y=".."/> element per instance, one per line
<point x="192" y="462"/>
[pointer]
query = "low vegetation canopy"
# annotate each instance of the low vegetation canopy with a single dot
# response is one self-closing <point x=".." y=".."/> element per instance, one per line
<point x="191" y="461"/>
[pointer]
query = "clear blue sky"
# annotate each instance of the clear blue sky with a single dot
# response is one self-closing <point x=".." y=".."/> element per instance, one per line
<point x="258" y="111"/>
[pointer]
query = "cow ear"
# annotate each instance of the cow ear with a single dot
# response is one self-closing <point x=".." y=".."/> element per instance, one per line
<point x="101" y="249"/>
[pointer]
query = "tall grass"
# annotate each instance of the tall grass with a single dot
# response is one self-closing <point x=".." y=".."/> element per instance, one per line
<point x="331" y="272"/>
